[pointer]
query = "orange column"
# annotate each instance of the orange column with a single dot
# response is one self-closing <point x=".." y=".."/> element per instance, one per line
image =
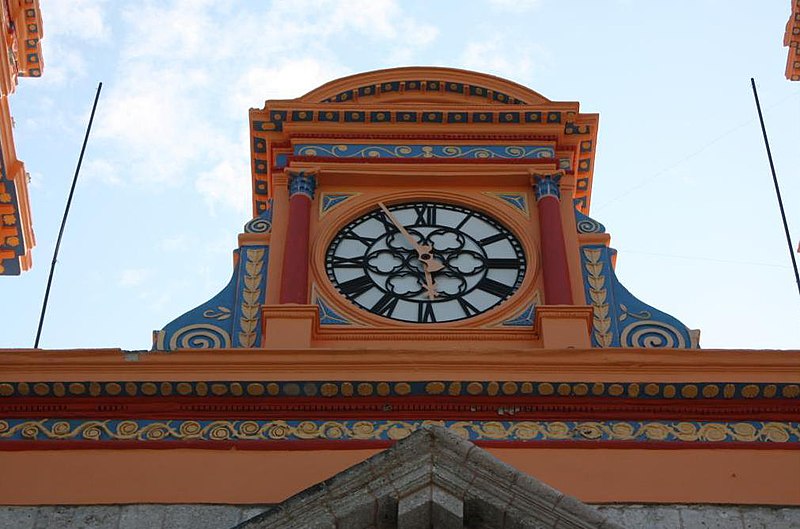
<point x="294" y="279"/>
<point x="557" y="290"/>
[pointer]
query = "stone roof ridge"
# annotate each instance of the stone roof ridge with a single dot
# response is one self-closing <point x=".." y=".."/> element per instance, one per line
<point x="431" y="479"/>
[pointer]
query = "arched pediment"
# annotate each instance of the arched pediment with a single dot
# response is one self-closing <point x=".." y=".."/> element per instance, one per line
<point x="418" y="84"/>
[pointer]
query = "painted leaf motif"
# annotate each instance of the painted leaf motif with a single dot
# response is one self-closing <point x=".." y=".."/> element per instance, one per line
<point x="251" y="297"/>
<point x="248" y="325"/>
<point x="255" y="255"/>
<point x="594" y="268"/>
<point x="598" y="297"/>
<point x="252" y="282"/>
<point x="250" y="312"/>
<point x="253" y="269"/>
<point x="602" y="325"/>
<point x="592" y="254"/>
<point x="247" y="339"/>
<point x="597" y="282"/>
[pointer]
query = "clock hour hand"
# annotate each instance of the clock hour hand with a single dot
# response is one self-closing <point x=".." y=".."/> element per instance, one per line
<point x="429" y="285"/>
<point x="424" y="254"/>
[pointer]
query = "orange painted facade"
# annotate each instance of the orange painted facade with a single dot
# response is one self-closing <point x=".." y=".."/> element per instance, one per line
<point x="791" y="39"/>
<point x="21" y="56"/>
<point x="248" y="399"/>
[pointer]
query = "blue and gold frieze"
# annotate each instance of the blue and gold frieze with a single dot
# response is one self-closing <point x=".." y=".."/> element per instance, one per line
<point x="727" y="391"/>
<point x="361" y="150"/>
<point x="774" y="434"/>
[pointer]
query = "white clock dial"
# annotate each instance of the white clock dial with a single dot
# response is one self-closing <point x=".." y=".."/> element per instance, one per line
<point x="378" y="262"/>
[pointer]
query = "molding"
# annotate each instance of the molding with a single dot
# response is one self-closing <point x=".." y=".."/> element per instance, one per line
<point x="764" y="434"/>
<point x="564" y="312"/>
<point x="289" y="312"/>
<point x="387" y="361"/>
<point x="534" y="391"/>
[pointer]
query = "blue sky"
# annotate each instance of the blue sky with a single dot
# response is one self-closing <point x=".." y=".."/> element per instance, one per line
<point x="681" y="177"/>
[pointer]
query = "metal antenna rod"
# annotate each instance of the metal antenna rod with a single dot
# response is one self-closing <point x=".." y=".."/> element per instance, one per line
<point x="64" y="219"/>
<point x="777" y="189"/>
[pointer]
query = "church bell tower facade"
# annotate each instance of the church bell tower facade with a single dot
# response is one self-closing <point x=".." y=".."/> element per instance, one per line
<point x="421" y="252"/>
<point x="426" y="207"/>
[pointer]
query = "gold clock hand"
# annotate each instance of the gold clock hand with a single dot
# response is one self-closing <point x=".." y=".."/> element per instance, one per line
<point x="429" y="285"/>
<point x="429" y="262"/>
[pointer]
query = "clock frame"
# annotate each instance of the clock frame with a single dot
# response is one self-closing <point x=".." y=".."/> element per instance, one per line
<point x="519" y="227"/>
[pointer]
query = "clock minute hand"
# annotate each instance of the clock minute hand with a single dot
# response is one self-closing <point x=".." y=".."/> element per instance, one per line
<point x="429" y="262"/>
<point x="430" y="286"/>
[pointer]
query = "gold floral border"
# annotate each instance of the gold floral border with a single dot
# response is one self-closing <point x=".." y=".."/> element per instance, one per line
<point x="773" y="432"/>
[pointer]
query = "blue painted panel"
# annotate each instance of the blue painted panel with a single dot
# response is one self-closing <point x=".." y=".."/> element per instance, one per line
<point x="361" y="150"/>
<point x="620" y="319"/>
<point x="586" y="224"/>
<point x="207" y="326"/>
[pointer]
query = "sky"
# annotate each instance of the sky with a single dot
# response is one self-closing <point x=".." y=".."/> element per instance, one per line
<point x="681" y="178"/>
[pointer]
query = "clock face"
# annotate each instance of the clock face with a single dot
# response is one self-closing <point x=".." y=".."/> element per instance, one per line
<point x="425" y="262"/>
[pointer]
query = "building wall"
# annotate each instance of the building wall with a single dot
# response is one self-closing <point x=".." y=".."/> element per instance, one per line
<point x="224" y="516"/>
<point x="20" y="57"/>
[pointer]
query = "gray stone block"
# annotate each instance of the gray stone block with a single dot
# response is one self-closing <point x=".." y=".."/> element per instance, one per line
<point x="245" y="513"/>
<point x="78" y="517"/>
<point x="771" y="517"/>
<point x="137" y="516"/>
<point x="18" y="517"/>
<point x="650" y="516"/>
<point x="200" y="517"/>
<point x="701" y="517"/>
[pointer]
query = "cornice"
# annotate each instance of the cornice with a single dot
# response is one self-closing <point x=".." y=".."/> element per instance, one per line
<point x="385" y="361"/>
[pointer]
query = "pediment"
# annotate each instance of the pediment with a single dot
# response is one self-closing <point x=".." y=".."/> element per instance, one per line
<point x="418" y="85"/>
<point x="432" y="479"/>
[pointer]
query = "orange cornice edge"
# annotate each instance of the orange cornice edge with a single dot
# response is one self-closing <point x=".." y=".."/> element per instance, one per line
<point x="488" y="362"/>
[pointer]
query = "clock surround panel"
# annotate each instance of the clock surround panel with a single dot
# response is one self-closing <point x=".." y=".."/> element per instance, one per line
<point x="513" y="293"/>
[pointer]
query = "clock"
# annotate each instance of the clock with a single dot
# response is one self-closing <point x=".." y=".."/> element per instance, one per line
<point x="425" y="262"/>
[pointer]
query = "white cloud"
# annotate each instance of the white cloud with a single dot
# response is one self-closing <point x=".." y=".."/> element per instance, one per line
<point x="62" y="63"/>
<point x="157" y="125"/>
<point x="175" y="243"/>
<point x="504" y="58"/>
<point x="82" y="19"/>
<point x="67" y="24"/>
<point x="184" y="30"/>
<point x="289" y="80"/>
<point x="516" y="6"/>
<point x="228" y="183"/>
<point x="176" y="112"/>
<point x="132" y="277"/>
<point x="101" y="170"/>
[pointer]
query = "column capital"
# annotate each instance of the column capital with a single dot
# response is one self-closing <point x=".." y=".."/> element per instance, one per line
<point x="302" y="181"/>
<point x="547" y="184"/>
